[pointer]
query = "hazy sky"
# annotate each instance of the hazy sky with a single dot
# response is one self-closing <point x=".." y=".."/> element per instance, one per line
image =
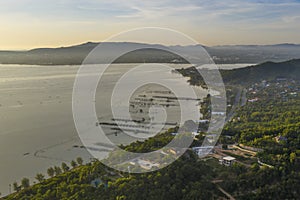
<point x="28" y="24"/>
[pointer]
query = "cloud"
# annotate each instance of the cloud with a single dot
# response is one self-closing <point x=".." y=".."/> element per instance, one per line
<point x="291" y="19"/>
<point x="211" y="11"/>
<point x="209" y="18"/>
<point x="188" y="10"/>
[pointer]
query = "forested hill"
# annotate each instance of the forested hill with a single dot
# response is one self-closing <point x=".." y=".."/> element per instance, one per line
<point x="252" y="74"/>
<point x="75" y="55"/>
<point x="265" y="71"/>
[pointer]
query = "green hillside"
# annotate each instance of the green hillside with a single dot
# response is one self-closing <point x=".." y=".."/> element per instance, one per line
<point x="249" y="75"/>
<point x="265" y="71"/>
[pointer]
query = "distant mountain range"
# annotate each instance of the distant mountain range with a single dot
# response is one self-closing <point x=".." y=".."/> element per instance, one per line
<point x="228" y="54"/>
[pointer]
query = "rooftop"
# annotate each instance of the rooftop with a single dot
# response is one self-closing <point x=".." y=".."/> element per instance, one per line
<point x="229" y="158"/>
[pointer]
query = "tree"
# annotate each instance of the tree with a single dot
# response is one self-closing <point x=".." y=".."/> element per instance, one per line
<point x="123" y="197"/>
<point x="65" y="167"/>
<point x="40" y="177"/>
<point x="50" y="172"/>
<point x="73" y="164"/>
<point x="255" y="167"/>
<point x="79" y="160"/>
<point x="224" y="146"/>
<point x="293" y="157"/>
<point x="25" y="183"/>
<point x="57" y="170"/>
<point x="16" y="187"/>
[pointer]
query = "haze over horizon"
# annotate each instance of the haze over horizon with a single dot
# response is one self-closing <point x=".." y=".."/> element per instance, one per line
<point x="95" y="42"/>
<point x="30" y="24"/>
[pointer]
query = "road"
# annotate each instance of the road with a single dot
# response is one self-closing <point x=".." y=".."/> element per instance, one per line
<point x="229" y="196"/>
<point x="244" y="97"/>
<point x="253" y="153"/>
<point x="240" y="100"/>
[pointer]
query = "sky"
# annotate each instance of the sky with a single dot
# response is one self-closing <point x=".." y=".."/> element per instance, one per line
<point x="27" y="24"/>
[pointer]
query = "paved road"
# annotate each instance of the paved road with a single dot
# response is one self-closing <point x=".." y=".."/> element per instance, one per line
<point x="244" y="97"/>
<point x="226" y="193"/>
<point x="253" y="153"/>
<point x="235" y="105"/>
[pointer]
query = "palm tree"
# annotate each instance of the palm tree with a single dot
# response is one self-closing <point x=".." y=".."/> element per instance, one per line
<point x="40" y="177"/>
<point x="65" y="167"/>
<point x="25" y="183"/>
<point x="50" y="172"/>
<point x="73" y="164"/>
<point x="79" y="160"/>
<point x="16" y="187"/>
<point x="57" y="170"/>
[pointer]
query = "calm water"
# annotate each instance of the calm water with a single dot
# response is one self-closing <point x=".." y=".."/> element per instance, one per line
<point x="36" y="124"/>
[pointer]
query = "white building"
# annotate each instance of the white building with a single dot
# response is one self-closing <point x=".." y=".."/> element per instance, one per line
<point x="227" y="161"/>
<point x="218" y="113"/>
<point x="195" y="134"/>
<point x="203" y="121"/>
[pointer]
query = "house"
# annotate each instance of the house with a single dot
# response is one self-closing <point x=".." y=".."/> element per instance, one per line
<point x="212" y="138"/>
<point x="253" y="100"/>
<point x="195" y="134"/>
<point x="227" y="161"/>
<point x="218" y="113"/>
<point x="97" y="182"/>
<point x="173" y="151"/>
<point x="281" y="79"/>
<point x="145" y="164"/>
<point x="203" y="121"/>
<point x="264" y="83"/>
<point x="280" y="138"/>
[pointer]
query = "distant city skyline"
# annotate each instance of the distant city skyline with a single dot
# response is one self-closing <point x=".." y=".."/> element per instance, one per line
<point x="29" y="24"/>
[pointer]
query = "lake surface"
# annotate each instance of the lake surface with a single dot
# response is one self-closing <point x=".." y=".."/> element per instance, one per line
<point x="37" y="130"/>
